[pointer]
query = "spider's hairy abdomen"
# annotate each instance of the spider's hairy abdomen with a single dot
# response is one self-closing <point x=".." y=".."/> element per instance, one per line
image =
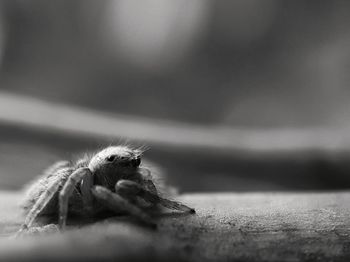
<point x="58" y="171"/>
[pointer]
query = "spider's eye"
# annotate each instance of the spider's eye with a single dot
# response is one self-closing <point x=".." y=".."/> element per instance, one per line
<point x="136" y="162"/>
<point x="110" y="158"/>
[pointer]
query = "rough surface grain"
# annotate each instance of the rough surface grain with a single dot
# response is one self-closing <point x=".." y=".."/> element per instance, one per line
<point x="227" y="227"/>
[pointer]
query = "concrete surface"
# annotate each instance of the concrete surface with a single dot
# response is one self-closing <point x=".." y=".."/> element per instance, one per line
<point x="227" y="227"/>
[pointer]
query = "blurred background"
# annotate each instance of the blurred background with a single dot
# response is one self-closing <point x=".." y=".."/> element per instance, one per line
<point x="241" y="95"/>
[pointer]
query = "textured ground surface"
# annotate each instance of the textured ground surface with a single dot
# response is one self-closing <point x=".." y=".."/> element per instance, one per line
<point x="235" y="227"/>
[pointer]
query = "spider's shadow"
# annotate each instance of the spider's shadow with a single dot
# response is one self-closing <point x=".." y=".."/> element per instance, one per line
<point x="173" y="214"/>
<point x="106" y="217"/>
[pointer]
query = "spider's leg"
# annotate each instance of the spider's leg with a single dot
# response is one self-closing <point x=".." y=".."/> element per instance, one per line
<point x="85" y="187"/>
<point x="116" y="202"/>
<point x="129" y="187"/>
<point x="44" y="199"/>
<point x="67" y="190"/>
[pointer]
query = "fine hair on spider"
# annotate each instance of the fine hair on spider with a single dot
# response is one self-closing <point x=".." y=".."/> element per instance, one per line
<point x="111" y="180"/>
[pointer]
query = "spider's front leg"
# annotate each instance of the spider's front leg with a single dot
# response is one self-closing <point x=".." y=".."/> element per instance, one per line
<point x="84" y="176"/>
<point x="116" y="202"/>
<point x="148" y="193"/>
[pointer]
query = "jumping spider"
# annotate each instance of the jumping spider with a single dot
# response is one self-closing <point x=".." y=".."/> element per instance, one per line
<point x="110" y="180"/>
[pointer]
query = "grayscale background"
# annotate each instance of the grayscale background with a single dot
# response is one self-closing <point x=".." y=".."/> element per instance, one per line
<point x="244" y="95"/>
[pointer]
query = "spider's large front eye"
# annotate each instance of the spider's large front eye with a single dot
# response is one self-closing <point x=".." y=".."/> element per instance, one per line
<point x="136" y="162"/>
<point x="110" y="158"/>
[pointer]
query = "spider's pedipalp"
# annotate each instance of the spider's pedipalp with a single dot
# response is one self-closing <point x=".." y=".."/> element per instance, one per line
<point x="117" y="203"/>
<point x="67" y="190"/>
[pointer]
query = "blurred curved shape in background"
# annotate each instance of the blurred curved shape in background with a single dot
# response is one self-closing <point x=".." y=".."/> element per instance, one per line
<point x="243" y="22"/>
<point x="2" y="36"/>
<point x="154" y="34"/>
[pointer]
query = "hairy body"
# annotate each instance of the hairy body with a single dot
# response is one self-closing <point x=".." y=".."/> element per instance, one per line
<point x="110" y="180"/>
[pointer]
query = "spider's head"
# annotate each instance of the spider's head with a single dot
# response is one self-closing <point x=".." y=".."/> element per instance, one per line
<point x="115" y="158"/>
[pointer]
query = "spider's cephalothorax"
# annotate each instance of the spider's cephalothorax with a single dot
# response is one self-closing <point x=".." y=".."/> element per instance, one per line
<point x="113" y="164"/>
<point x="113" y="177"/>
